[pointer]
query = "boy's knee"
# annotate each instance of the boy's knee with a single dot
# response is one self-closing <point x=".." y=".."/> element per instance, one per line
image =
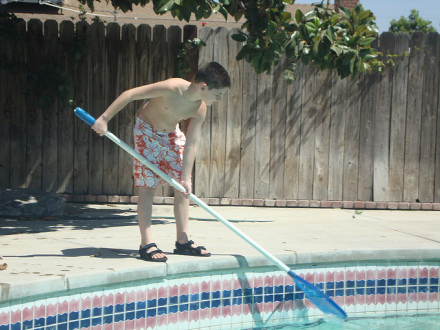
<point x="146" y="192"/>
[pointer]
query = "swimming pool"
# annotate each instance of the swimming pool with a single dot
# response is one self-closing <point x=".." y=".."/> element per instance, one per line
<point x="238" y="298"/>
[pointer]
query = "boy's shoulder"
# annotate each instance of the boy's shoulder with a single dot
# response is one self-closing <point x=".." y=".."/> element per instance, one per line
<point x="176" y="82"/>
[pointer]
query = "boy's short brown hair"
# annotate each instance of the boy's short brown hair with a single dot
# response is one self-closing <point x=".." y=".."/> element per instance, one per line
<point x="213" y="75"/>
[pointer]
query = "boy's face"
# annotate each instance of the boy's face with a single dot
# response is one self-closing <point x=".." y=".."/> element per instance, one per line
<point x="212" y="95"/>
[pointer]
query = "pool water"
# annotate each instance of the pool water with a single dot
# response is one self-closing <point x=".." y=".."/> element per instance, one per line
<point x="413" y="322"/>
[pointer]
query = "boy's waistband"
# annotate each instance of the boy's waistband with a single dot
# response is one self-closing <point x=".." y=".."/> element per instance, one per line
<point x="142" y="124"/>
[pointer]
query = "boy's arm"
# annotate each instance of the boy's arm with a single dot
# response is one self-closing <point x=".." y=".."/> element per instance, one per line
<point x="193" y="135"/>
<point x="159" y="89"/>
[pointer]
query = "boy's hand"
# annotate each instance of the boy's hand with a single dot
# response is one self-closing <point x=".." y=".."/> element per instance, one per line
<point x="100" y="126"/>
<point x="187" y="185"/>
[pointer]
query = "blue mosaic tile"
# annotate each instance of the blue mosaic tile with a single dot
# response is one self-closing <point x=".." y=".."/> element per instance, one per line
<point x="141" y="314"/>
<point x="85" y="323"/>
<point x="73" y="325"/>
<point x="96" y="321"/>
<point x="141" y="305"/>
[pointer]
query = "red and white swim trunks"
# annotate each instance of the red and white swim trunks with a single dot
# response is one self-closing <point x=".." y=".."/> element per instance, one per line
<point x="164" y="150"/>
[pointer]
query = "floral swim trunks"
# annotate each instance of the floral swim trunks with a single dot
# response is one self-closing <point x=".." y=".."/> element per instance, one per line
<point x="164" y="150"/>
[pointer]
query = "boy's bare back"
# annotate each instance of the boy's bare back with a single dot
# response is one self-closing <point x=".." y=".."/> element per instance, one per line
<point x="164" y="112"/>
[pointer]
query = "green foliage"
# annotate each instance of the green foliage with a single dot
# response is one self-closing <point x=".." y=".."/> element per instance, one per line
<point x="411" y="24"/>
<point x="182" y="63"/>
<point x="322" y="37"/>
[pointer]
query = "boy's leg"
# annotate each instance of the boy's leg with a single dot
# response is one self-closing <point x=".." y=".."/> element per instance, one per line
<point x="181" y="213"/>
<point x="144" y="211"/>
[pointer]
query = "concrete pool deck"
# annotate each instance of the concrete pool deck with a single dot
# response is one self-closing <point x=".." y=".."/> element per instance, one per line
<point x="96" y="244"/>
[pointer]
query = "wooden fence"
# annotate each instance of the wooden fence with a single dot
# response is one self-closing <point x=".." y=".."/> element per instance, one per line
<point x="322" y="138"/>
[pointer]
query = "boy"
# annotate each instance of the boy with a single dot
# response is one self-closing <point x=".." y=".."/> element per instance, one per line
<point x="158" y="138"/>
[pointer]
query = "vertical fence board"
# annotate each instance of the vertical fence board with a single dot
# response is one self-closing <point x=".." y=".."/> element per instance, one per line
<point x="322" y="99"/>
<point x="5" y="110"/>
<point x="65" y="115"/>
<point x="218" y="123"/>
<point x="351" y="147"/>
<point x="337" y="141"/>
<point x="111" y="91"/>
<point x="429" y="119"/>
<point x="34" y="130"/>
<point x="382" y="122"/>
<point x="398" y="119"/>
<point x="293" y="135"/>
<point x="203" y="159"/>
<point x="308" y="114"/>
<point x="278" y="132"/>
<point x="174" y="43"/>
<point x="82" y="131"/>
<point x="233" y="121"/>
<point x="248" y="119"/>
<point x="127" y="115"/>
<point x="97" y="62"/>
<point x="262" y="134"/>
<point x="50" y="113"/>
<point x="437" y="154"/>
<point x="413" y="124"/>
<point x="367" y="135"/>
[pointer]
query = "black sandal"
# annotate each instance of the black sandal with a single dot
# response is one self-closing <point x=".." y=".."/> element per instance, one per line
<point x="148" y="256"/>
<point x="188" y="250"/>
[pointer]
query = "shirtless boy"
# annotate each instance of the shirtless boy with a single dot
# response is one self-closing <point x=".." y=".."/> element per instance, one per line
<point x="158" y="138"/>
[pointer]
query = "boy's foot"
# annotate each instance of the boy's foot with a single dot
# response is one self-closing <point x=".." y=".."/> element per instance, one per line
<point x="190" y="249"/>
<point x="150" y="252"/>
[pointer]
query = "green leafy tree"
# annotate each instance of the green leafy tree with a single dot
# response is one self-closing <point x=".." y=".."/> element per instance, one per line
<point x="321" y="36"/>
<point x="411" y="24"/>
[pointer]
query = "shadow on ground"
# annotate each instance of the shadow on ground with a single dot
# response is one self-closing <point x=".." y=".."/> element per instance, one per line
<point x="76" y="217"/>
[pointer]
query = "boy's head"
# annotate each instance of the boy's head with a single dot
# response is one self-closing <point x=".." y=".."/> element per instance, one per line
<point x="213" y="75"/>
<point x="215" y="78"/>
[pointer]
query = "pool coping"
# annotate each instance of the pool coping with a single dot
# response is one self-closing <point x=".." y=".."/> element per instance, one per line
<point x="59" y="284"/>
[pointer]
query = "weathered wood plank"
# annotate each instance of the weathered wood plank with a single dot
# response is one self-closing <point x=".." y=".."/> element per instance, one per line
<point x="97" y="63"/>
<point x="233" y="120"/>
<point x="127" y="115"/>
<point x="382" y="122"/>
<point x="66" y="118"/>
<point x="5" y="109"/>
<point x="34" y="130"/>
<point x="437" y="146"/>
<point x="351" y="147"/>
<point x="322" y="100"/>
<point x="398" y="119"/>
<point x="218" y="122"/>
<point x="367" y="134"/>
<point x="247" y="162"/>
<point x="293" y="136"/>
<point x="278" y="134"/>
<point x="189" y="33"/>
<point x="18" y="171"/>
<point x="263" y="129"/>
<point x="337" y="138"/>
<point x="428" y="137"/>
<point x="203" y="159"/>
<point x="413" y="119"/>
<point x="174" y="43"/>
<point x="308" y="113"/>
<point x="110" y="159"/>
<point x="50" y="113"/>
<point x="82" y="131"/>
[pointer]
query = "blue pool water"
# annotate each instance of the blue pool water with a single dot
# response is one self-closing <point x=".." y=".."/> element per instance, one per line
<point x="413" y="322"/>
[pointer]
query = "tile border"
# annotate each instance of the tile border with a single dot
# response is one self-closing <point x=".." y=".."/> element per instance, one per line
<point x="259" y="202"/>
